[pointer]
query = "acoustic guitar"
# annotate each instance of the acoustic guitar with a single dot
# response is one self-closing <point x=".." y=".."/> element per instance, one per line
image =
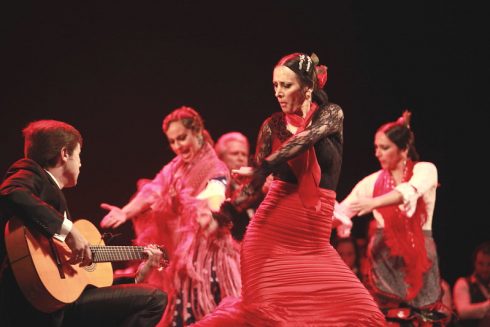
<point x="40" y="265"/>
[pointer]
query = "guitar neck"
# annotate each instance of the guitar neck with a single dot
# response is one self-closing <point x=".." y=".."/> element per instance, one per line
<point x="117" y="253"/>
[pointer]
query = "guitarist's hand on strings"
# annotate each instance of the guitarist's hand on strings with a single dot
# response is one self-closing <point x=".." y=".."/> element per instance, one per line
<point x="115" y="218"/>
<point x="79" y="246"/>
<point x="155" y="260"/>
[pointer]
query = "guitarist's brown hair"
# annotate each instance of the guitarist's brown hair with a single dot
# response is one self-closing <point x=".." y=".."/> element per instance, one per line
<point x="43" y="140"/>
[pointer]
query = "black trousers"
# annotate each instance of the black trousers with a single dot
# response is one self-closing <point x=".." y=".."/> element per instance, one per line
<point x="119" y="305"/>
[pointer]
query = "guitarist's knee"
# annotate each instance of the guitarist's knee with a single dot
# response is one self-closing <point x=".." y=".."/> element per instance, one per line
<point x="157" y="302"/>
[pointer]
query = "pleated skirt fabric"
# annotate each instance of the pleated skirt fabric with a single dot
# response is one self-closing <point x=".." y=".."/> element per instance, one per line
<point x="291" y="274"/>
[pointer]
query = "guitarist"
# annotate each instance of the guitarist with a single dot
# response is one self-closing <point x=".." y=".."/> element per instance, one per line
<point x="32" y="192"/>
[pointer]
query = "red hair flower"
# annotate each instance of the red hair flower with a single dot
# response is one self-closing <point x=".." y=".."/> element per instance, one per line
<point x="321" y="75"/>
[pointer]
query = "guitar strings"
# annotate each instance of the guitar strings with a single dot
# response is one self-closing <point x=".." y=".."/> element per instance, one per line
<point x="103" y="253"/>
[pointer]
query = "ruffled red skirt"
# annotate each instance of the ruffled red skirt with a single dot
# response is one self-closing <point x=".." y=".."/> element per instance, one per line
<point x="291" y="274"/>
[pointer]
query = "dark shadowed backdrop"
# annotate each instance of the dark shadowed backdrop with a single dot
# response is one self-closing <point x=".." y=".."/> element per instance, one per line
<point x="115" y="70"/>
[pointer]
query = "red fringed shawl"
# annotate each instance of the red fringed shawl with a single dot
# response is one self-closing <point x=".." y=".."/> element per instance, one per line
<point x="404" y="235"/>
<point x="305" y="166"/>
<point x="173" y="223"/>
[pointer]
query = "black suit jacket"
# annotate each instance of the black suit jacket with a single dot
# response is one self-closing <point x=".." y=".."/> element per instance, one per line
<point x="29" y="193"/>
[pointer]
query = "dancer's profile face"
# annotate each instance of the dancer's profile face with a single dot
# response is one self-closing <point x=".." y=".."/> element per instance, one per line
<point x="288" y="90"/>
<point x="183" y="141"/>
<point x="388" y="153"/>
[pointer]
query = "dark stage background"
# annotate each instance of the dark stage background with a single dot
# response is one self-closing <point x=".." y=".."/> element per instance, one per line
<point x="115" y="70"/>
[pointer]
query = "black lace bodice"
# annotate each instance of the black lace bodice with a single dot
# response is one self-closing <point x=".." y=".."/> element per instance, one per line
<point x="325" y="133"/>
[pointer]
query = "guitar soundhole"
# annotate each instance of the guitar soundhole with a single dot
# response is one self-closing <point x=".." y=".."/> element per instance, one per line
<point x="90" y="268"/>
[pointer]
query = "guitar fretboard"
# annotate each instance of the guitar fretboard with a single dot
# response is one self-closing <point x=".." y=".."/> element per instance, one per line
<point x="117" y="253"/>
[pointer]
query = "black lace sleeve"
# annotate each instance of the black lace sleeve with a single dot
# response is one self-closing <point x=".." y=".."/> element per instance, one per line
<point x="326" y="121"/>
<point x="264" y="142"/>
<point x="324" y="132"/>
